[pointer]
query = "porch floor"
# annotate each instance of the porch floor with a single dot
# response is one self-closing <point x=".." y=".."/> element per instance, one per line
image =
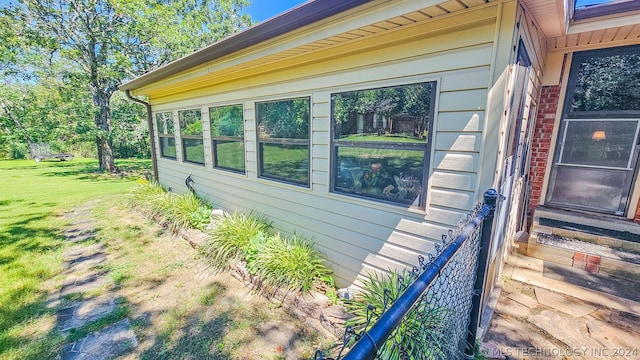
<point x="620" y="287"/>
<point x="539" y="317"/>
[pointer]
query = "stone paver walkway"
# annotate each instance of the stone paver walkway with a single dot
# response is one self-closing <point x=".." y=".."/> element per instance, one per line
<point x="541" y="318"/>
<point x="103" y="345"/>
<point x="92" y="287"/>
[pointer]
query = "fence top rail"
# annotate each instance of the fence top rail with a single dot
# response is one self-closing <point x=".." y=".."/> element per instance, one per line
<point x="370" y="341"/>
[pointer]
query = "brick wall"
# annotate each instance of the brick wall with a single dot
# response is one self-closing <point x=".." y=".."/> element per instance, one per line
<point x="636" y="217"/>
<point x="541" y="142"/>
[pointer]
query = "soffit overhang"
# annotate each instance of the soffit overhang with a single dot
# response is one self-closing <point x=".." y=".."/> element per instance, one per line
<point x="347" y="27"/>
<point x="565" y="33"/>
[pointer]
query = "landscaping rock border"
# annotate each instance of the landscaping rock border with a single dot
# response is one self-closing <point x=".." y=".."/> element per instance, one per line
<point x="314" y="308"/>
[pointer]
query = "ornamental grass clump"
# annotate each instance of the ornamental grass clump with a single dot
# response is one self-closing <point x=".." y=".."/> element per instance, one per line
<point x="232" y="236"/>
<point x="176" y="210"/>
<point x="421" y="330"/>
<point x="186" y="211"/>
<point x="148" y="196"/>
<point x="289" y="262"/>
<point x="373" y="295"/>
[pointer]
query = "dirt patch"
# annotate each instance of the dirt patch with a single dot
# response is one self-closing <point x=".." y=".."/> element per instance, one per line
<point x="181" y="308"/>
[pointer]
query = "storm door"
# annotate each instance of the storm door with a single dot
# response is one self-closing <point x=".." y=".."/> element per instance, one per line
<point x="597" y="152"/>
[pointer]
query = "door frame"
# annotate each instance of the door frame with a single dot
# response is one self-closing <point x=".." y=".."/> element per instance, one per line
<point x="517" y="128"/>
<point x="566" y="116"/>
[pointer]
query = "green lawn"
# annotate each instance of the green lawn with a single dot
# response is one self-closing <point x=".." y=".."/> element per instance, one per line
<point x="383" y="138"/>
<point x="286" y="162"/>
<point x="32" y="199"/>
<point x="230" y="154"/>
<point x="194" y="151"/>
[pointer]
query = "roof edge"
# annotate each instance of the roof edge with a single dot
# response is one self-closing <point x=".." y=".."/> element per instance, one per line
<point x="288" y="21"/>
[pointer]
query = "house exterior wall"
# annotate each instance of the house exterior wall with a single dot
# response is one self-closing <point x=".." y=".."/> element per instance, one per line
<point x="548" y="122"/>
<point x="516" y="102"/>
<point x="544" y="124"/>
<point x="636" y="216"/>
<point x="358" y="235"/>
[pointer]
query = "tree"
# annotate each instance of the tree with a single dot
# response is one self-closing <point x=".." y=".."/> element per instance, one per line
<point x="608" y="83"/>
<point x="130" y="135"/>
<point x="54" y="110"/>
<point x="411" y="100"/>
<point x="113" y="40"/>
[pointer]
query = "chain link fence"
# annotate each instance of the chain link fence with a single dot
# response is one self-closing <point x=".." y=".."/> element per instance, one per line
<point x="436" y="311"/>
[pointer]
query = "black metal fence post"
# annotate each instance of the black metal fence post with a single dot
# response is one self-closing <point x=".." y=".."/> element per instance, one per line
<point x="490" y="197"/>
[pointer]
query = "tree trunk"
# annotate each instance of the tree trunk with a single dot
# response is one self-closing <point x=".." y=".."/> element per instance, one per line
<point x="6" y="109"/>
<point x="103" y="124"/>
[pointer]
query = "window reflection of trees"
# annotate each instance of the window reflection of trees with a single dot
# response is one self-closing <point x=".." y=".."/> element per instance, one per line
<point x="608" y="83"/>
<point x="190" y="122"/>
<point x="164" y="124"/>
<point x="283" y="140"/>
<point x="227" y="136"/>
<point x="381" y="142"/>
<point x="191" y="135"/>
<point x="392" y="114"/>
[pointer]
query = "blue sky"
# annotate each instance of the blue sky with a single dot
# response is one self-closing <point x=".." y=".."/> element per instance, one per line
<point x="261" y="10"/>
<point x="580" y="3"/>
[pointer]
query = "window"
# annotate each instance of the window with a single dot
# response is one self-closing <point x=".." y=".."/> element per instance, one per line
<point x="167" y="140"/>
<point x="227" y="136"/>
<point x="587" y="9"/>
<point x="381" y="142"/>
<point x="283" y="140"/>
<point x="605" y="81"/>
<point x="596" y="154"/>
<point x="191" y="136"/>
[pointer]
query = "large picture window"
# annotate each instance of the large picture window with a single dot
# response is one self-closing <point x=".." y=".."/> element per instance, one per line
<point x="283" y="140"/>
<point x="191" y="136"/>
<point x="166" y="137"/>
<point x="381" y="142"/>
<point x="227" y="136"/>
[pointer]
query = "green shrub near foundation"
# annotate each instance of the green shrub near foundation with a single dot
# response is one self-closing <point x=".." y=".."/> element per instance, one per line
<point x="289" y="262"/>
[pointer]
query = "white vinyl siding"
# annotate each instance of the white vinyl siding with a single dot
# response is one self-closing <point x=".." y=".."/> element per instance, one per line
<point x="359" y="235"/>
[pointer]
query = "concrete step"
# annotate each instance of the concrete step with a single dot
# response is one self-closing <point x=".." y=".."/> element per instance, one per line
<point x="533" y="271"/>
<point x="585" y="255"/>
<point x="604" y="230"/>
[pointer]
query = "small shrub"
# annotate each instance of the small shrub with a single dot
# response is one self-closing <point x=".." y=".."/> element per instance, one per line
<point x="177" y="210"/>
<point x="252" y="251"/>
<point x="232" y="236"/>
<point x="290" y="262"/>
<point x="186" y="211"/>
<point x="148" y="196"/>
<point x="373" y="294"/>
<point x="201" y="217"/>
<point x="421" y="330"/>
